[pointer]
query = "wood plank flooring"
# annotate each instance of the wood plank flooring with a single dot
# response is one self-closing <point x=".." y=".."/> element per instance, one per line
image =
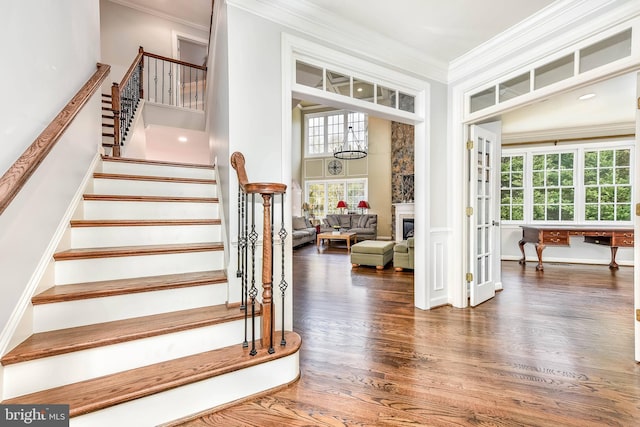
<point x="554" y="348"/>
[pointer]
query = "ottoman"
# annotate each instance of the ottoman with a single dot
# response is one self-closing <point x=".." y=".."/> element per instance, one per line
<point x="372" y="252"/>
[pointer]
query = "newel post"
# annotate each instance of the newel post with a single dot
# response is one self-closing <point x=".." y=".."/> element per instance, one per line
<point x="115" y="107"/>
<point x="267" y="275"/>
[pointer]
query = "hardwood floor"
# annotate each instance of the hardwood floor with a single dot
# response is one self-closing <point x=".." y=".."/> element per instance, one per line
<point x="554" y="348"/>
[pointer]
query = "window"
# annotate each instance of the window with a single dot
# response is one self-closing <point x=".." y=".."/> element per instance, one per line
<point x="326" y="131"/>
<point x="552" y="183"/>
<point x="573" y="184"/>
<point x="323" y="196"/>
<point x="512" y="188"/>
<point x="607" y="185"/>
<point x="326" y="80"/>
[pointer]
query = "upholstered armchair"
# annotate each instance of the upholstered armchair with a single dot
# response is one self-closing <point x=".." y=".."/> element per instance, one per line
<point x="403" y="255"/>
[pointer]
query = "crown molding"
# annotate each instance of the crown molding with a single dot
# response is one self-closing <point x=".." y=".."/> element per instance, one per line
<point x="552" y="29"/>
<point x="159" y="14"/>
<point x="603" y="130"/>
<point x="308" y="19"/>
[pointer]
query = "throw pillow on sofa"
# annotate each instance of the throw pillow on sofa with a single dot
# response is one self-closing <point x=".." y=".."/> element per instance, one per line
<point x="298" y="223"/>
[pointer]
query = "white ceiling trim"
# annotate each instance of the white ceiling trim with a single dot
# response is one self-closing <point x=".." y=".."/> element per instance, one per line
<point x="159" y="14"/>
<point x="561" y="24"/>
<point x="600" y="130"/>
<point x="306" y="18"/>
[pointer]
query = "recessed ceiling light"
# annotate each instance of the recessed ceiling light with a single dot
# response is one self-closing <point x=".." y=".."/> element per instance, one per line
<point x="359" y="89"/>
<point x="586" y="96"/>
<point x="182" y="138"/>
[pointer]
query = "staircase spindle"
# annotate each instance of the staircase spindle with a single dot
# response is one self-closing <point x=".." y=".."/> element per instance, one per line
<point x="283" y="283"/>
<point x="253" y="292"/>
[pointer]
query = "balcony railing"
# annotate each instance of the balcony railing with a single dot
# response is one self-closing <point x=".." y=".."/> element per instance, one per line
<point x="156" y="79"/>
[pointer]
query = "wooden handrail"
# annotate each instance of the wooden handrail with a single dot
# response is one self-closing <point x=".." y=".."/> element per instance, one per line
<point x="132" y="68"/>
<point x="175" y="61"/>
<point x="14" y="179"/>
<point x="237" y="162"/>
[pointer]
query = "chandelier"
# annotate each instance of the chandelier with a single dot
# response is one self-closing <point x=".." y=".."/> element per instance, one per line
<point x="352" y="149"/>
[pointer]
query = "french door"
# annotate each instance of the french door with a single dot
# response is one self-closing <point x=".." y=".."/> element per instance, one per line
<point x="483" y="220"/>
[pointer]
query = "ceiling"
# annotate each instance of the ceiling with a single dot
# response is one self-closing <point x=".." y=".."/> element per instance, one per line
<point x="194" y="12"/>
<point x="445" y="30"/>
<point x="442" y="30"/>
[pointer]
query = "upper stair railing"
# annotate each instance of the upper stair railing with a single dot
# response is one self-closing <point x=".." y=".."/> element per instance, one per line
<point x="247" y="241"/>
<point x="22" y="169"/>
<point x="156" y="79"/>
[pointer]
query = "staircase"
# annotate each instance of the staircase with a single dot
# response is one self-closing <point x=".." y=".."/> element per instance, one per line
<point x="137" y="330"/>
<point x="107" y="122"/>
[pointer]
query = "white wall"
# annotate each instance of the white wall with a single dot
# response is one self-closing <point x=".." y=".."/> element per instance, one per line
<point x="55" y="61"/>
<point x="217" y="121"/>
<point x="162" y="144"/>
<point x="124" y="30"/>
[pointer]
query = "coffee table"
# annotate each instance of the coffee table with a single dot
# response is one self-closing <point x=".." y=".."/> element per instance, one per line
<point x="348" y="236"/>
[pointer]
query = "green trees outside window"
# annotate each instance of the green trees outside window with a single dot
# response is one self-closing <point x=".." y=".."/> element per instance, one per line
<point x="581" y="184"/>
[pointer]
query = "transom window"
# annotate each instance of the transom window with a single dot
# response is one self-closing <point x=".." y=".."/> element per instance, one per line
<point x="326" y="131"/>
<point x="569" y="185"/>
<point x="323" y="196"/>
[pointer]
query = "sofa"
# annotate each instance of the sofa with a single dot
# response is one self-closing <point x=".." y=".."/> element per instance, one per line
<point x="364" y="225"/>
<point x="403" y="255"/>
<point x="303" y="231"/>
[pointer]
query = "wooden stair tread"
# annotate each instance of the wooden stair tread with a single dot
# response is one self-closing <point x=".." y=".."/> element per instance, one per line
<point x="62" y="341"/>
<point x="80" y="291"/>
<point x="92" y="395"/>
<point x="141" y="222"/>
<point x="101" y="175"/>
<point x="122" y="251"/>
<point x="124" y="198"/>
<point x="156" y="162"/>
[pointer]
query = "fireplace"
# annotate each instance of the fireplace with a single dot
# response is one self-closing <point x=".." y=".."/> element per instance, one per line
<point x="407" y="228"/>
<point x="404" y="214"/>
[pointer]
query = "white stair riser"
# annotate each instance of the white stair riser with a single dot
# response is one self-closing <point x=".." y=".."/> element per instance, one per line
<point x="149" y="210"/>
<point x="156" y="170"/>
<point x="196" y="397"/>
<point x="68" y="314"/>
<point x="152" y="188"/>
<point x="55" y="371"/>
<point x="100" y="237"/>
<point x="96" y="269"/>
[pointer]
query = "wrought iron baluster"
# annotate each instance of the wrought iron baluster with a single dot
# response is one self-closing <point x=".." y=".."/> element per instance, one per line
<point x="253" y="292"/>
<point x="245" y="262"/>
<point x="283" y="283"/>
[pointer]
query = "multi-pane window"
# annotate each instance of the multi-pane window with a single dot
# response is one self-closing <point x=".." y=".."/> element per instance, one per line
<point x="574" y="184"/>
<point x="607" y="185"/>
<point x="553" y="187"/>
<point x="315" y="135"/>
<point x="512" y="188"/>
<point x="316" y="196"/>
<point x="323" y="196"/>
<point x="326" y="131"/>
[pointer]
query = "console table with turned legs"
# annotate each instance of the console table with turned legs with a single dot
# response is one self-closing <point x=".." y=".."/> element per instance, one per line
<point x="544" y="236"/>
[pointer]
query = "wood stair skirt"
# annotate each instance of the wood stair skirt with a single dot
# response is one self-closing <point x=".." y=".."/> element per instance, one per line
<point x="136" y="329"/>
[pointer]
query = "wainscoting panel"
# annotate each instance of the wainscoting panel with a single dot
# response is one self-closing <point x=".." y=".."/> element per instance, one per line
<point x="438" y="293"/>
